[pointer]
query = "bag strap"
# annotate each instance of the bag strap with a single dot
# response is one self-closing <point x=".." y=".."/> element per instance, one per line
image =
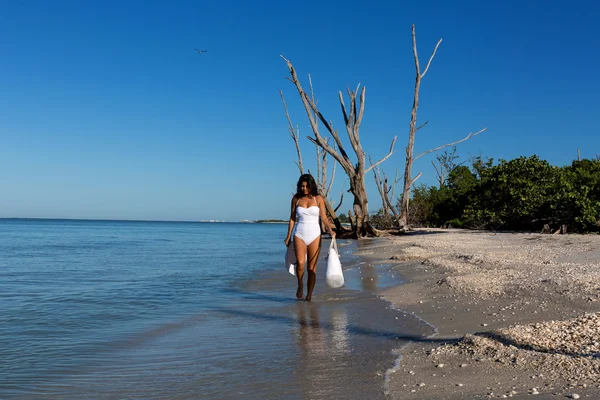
<point x="334" y="245"/>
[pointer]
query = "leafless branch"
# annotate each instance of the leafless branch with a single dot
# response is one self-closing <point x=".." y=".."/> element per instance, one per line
<point x="333" y="132"/>
<point x="312" y="94"/>
<point x="332" y="176"/>
<point x="431" y="58"/>
<point x="322" y="154"/>
<point x="318" y="139"/>
<point x="384" y="158"/>
<point x="438" y="173"/>
<point x="319" y="166"/>
<point x="293" y="134"/>
<point x="379" y="184"/>
<point x="353" y="121"/>
<point x="412" y="182"/>
<point x="339" y="205"/>
<point x="417" y="66"/>
<point x="422" y="126"/>
<point x="469" y="136"/>
<point x="384" y="191"/>
<point x="387" y="198"/>
<point x="415" y="53"/>
<point x="396" y="180"/>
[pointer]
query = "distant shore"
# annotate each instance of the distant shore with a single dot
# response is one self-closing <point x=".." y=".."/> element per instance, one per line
<point x="519" y="313"/>
<point x="209" y="221"/>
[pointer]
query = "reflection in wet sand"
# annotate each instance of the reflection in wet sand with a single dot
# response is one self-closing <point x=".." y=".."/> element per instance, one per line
<point x="339" y="334"/>
<point x="311" y="336"/>
<point x="323" y="345"/>
<point x="369" y="278"/>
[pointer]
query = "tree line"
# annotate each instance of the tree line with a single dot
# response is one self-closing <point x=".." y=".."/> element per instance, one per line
<point x="526" y="193"/>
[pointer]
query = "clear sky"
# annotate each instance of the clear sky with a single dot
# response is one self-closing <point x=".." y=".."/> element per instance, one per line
<point x="106" y="110"/>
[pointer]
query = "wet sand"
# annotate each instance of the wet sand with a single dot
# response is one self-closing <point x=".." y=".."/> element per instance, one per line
<point x="338" y="346"/>
<point x="516" y="314"/>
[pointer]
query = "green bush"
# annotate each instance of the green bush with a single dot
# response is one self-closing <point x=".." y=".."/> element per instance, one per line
<point x="521" y="194"/>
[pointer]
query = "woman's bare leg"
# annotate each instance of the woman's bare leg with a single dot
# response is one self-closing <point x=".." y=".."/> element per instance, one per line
<point x="300" y="257"/>
<point x="313" y="256"/>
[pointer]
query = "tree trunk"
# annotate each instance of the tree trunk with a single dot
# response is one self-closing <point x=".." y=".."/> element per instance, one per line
<point x="410" y="158"/>
<point x="331" y="212"/>
<point x="363" y="226"/>
<point x="403" y="220"/>
<point x="352" y="223"/>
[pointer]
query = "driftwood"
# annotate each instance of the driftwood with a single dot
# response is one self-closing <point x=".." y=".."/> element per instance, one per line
<point x="561" y="231"/>
<point x="546" y="229"/>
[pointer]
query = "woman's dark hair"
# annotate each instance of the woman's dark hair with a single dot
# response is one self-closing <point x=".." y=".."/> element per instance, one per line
<point x="310" y="181"/>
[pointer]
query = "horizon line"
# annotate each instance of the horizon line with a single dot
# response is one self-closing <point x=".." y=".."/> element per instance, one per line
<point x="127" y="220"/>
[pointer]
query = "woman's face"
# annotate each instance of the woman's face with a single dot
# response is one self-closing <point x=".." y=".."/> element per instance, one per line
<point x="304" y="188"/>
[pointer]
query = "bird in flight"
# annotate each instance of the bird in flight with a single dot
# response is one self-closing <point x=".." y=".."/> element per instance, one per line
<point x="200" y="51"/>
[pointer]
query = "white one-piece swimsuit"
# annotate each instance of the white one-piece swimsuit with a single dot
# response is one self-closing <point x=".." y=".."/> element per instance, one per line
<point x="307" y="226"/>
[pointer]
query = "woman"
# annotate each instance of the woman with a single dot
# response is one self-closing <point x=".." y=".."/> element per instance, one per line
<point x="307" y="207"/>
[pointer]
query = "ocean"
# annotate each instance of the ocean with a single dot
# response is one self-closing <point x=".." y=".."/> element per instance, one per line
<point x="178" y="310"/>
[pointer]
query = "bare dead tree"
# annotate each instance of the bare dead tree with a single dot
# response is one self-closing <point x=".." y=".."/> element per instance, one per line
<point x="386" y="191"/>
<point x="355" y="171"/>
<point x="321" y="170"/>
<point x="446" y="163"/>
<point x="410" y="159"/>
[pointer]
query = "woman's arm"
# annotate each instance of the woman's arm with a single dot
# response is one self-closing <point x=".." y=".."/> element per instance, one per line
<point x="323" y="214"/>
<point x="291" y="223"/>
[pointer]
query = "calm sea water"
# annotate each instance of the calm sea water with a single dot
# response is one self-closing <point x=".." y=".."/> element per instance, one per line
<point x="157" y="310"/>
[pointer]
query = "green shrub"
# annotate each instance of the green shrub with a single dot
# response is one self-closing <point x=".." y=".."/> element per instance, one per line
<point x="521" y="194"/>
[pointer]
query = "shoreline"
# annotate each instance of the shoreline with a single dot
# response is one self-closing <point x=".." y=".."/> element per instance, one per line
<point x="504" y="307"/>
<point x="346" y="332"/>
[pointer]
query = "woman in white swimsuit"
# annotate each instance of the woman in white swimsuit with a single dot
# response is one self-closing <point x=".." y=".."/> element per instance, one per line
<point x="307" y="207"/>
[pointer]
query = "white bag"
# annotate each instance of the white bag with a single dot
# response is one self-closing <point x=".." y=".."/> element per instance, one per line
<point x="334" y="277"/>
<point x="290" y="258"/>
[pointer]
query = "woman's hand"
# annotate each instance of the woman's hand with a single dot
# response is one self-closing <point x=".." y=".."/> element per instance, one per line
<point x="287" y="241"/>
<point x="332" y="233"/>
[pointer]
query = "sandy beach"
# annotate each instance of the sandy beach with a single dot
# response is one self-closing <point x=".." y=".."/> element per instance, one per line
<point x="516" y="314"/>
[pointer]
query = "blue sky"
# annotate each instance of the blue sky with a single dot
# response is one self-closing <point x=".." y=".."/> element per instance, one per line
<point x="106" y="110"/>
